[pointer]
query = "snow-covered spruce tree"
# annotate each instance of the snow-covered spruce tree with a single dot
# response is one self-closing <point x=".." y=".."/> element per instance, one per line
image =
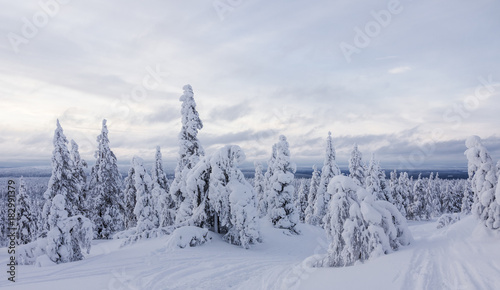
<point x="190" y="151"/>
<point x="394" y="189"/>
<point x="147" y="218"/>
<point x="267" y="179"/>
<point x="417" y="207"/>
<point x="26" y="227"/>
<point x="482" y="175"/>
<point x="356" y="166"/>
<point x="129" y="199"/>
<point x="68" y="237"/>
<point x="372" y="181"/>
<point x="107" y="210"/>
<point x="359" y="226"/>
<point x="259" y="186"/>
<point x="433" y="200"/>
<point x="405" y="188"/>
<point x="62" y="181"/>
<point x="310" y="218"/>
<point x="80" y="177"/>
<point x="163" y="203"/>
<point x="301" y="201"/>
<point x="222" y="199"/>
<point x="329" y="170"/>
<point x="468" y="198"/>
<point x="282" y="212"/>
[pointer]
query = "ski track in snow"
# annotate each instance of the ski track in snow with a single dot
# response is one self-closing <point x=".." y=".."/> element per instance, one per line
<point x="457" y="257"/>
<point x="447" y="259"/>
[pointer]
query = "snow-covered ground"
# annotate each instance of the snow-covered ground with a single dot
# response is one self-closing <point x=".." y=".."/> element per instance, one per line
<point x="460" y="256"/>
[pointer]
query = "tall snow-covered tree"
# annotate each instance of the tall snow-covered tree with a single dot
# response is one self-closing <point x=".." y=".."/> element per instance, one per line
<point x="80" y="177"/>
<point x="26" y="227"/>
<point x="356" y="166"/>
<point x="359" y="226"/>
<point x="222" y="199"/>
<point x="164" y="205"/>
<point x="394" y="189"/>
<point x="310" y="218"/>
<point x="130" y="199"/>
<point x="62" y="181"/>
<point x="405" y="188"/>
<point x="417" y="207"/>
<point x="259" y="186"/>
<point x="329" y="170"/>
<point x="482" y="175"/>
<point x="301" y="201"/>
<point x="267" y="178"/>
<point x="147" y="218"/>
<point x="107" y="209"/>
<point x="282" y="211"/>
<point x="190" y="149"/>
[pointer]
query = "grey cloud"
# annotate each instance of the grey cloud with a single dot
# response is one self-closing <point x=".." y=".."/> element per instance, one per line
<point x="230" y="113"/>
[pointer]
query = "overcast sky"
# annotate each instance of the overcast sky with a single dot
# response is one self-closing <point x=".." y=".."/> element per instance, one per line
<point x="406" y="80"/>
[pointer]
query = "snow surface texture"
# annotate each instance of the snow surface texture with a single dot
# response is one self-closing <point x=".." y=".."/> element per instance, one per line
<point x="460" y="256"/>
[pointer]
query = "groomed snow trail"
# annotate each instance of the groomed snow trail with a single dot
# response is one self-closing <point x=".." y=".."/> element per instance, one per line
<point x="457" y="257"/>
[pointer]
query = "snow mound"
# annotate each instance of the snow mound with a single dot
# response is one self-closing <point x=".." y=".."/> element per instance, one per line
<point x="448" y="219"/>
<point x="44" y="261"/>
<point x="188" y="236"/>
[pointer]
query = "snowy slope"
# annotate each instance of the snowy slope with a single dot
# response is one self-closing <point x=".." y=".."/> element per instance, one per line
<point x="448" y="258"/>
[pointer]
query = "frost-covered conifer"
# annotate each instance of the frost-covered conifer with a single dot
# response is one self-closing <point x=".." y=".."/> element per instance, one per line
<point x="62" y="181"/>
<point x="80" y="177"/>
<point x="359" y="226"/>
<point x="267" y="178"/>
<point x="26" y="226"/>
<point x="67" y="237"/>
<point x="147" y="218"/>
<point x="190" y="149"/>
<point x="372" y="181"/>
<point x="417" y="207"/>
<point x="329" y="170"/>
<point x="282" y="211"/>
<point x="107" y="210"/>
<point x="301" y="201"/>
<point x="405" y="188"/>
<point x="310" y="218"/>
<point x="356" y="166"/>
<point x="394" y="189"/>
<point x="163" y="203"/>
<point x="468" y="198"/>
<point x="222" y="199"/>
<point x="259" y="188"/>
<point x="129" y="199"/>
<point x="482" y="175"/>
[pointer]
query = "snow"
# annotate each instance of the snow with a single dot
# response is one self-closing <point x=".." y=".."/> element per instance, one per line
<point x="460" y="256"/>
<point x="188" y="236"/>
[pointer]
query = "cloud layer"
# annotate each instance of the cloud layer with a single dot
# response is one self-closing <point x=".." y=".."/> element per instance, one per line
<point x="421" y="74"/>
